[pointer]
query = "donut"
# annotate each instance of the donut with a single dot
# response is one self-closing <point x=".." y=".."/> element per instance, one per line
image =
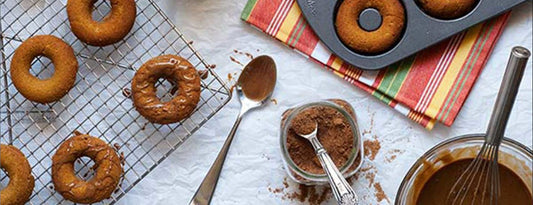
<point x="107" y="167"/>
<point x="370" y="42"/>
<point x="21" y="182"/>
<point x="449" y="9"/>
<point x="113" y="28"/>
<point x="178" y="71"/>
<point x="53" y="88"/>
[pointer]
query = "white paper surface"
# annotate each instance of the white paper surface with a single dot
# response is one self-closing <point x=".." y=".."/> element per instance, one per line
<point x="254" y="162"/>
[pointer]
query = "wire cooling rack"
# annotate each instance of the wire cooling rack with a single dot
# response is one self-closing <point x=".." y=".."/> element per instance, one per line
<point x="99" y="103"/>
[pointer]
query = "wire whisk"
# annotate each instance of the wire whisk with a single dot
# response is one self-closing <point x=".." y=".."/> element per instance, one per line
<point x="480" y="181"/>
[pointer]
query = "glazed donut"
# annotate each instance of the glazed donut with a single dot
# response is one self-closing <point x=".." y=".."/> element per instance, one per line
<point x="370" y="42"/>
<point x="449" y="9"/>
<point x="53" y="88"/>
<point x="107" y="175"/>
<point x="175" y="69"/>
<point x="113" y="28"/>
<point x="21" y="182"/>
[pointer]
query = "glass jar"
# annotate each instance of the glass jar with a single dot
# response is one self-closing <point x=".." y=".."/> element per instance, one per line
<point x="354" y="161"/>
<point x="512" y="154"/>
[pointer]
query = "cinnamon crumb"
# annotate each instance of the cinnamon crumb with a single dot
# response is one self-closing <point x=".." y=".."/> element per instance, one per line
<point x="235" y="60"/>
<point x="380" y="194"/>
<point x="391" y="158"/>
<point x="372" y="148"/>
<point x="314" y="195"/>
<point x="249" y="56"/>
<point x="394" y="153"/>
<point x="203" y="74"/>
<point x="370" y="177"/>
<point x="230" y="77"/>
<point x="365" y="169"/>
<point x="274" y="101"/>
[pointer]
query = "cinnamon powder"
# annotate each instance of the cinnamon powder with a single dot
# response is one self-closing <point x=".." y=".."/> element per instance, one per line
<point x="372" y="148"/>
<point x="334" y="132"/>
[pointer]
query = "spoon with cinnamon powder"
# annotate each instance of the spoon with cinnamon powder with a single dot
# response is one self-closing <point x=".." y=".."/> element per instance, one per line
<point x="343" y="192"/>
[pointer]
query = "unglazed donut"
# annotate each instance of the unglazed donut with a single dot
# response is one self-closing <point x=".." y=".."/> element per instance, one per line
<point x="53" y="88"/>
<point x="113" y="28"/>
<point x="372" y="42"/>
<point x="21" y="182"/>
<point x="448" y="9"/>
<point x="175" y="69"/>
<point x="107" y="175"/>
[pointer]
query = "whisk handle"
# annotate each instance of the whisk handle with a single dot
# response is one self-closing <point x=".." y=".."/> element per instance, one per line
<point x="507" y="94"/>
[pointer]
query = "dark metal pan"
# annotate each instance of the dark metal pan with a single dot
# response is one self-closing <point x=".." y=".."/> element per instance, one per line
<point x="421" y="30"/>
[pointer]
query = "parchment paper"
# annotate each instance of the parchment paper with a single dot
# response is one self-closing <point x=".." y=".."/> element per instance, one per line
<point x="254" y="162"/>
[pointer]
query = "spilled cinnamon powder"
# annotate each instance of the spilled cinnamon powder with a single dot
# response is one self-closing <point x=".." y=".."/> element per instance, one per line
<point x="314" y="195"/>
<point x="203" y="74"/>
<point x="230" y="77"/>
<point x="244" y="53"/>
<point x="235" y="61"/>
<point x="393" y="154"/>
<point x="380" y="194"/>
<point x="372" y="148"/>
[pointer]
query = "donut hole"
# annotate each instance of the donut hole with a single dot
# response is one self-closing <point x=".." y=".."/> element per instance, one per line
<point x="101" y="9"/>
<point x="42" y="68"/>
<point x="370" y="19"/>
<point x="84" y="168"/>
<point x="166" y="90"/>
<point x="4" y="181"/>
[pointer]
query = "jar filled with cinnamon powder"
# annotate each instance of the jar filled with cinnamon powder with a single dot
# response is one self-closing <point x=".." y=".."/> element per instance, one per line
<point x="337" y="131"/>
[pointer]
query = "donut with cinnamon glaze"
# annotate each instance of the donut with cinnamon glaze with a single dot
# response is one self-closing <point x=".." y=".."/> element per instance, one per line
<point x="108" y="169"/>
<point x="179" y="72"/>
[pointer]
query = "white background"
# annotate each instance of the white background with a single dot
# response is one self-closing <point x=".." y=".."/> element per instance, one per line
<point x="254" y="162"/>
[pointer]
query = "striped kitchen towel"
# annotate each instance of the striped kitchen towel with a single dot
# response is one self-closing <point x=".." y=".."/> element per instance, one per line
<point x="427" y="87"/>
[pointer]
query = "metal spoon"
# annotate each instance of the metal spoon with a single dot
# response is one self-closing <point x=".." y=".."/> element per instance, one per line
<point x="343" y="192"/>
<point x="254" y="88"/>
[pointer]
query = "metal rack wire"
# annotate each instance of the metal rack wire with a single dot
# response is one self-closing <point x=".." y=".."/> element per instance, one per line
<point x="98" y="104"/>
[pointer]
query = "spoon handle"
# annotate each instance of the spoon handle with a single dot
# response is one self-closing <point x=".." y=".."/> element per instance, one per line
<point x="205" y="192"/>
<point x="343" y="192"/>
<point x="507" y="94"/>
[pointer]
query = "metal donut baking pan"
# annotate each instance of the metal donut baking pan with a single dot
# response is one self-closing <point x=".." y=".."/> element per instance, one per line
<point x="420" y="30"/>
